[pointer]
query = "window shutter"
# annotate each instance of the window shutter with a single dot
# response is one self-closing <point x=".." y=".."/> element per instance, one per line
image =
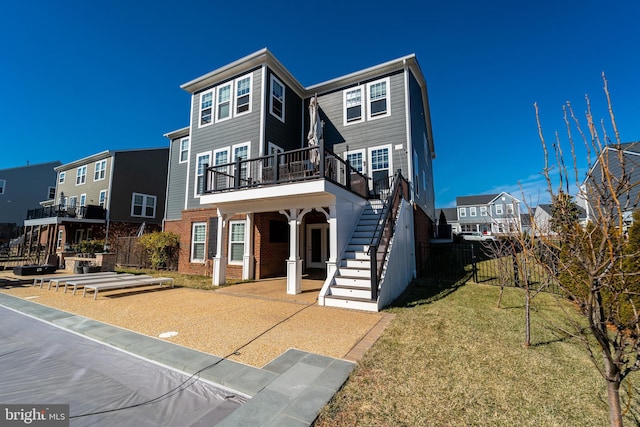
<point x="213" y="237"/>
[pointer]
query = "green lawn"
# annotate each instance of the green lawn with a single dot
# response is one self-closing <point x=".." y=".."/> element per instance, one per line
<point x="451" y="357"/>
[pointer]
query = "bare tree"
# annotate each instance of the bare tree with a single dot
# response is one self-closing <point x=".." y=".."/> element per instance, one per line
<point x="596" y="267"/>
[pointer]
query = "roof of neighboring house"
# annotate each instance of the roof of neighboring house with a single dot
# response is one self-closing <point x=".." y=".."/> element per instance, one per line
<point x="525" y="219"/>
<point x="34" y="165"/>
<point x="451" y="214"/>
<point x="102" y="155"/>
<point x="582" y="214"/>
<point x="482" y="199"/>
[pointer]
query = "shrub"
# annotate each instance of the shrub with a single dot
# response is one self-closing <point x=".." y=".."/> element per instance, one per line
<point x="161" y="246"/>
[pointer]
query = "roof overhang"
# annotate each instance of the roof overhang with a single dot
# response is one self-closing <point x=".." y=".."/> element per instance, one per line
<point x="61" y="220"/>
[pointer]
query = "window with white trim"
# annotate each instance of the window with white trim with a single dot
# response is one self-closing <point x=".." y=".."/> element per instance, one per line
<point x="102" y="199"/>
<point x="221" y="157"/>
<point x="198" y="240"/>
<point x="81" y="175"/>
<point x="241" y="151"/>
<point x="184" y="150"/>
<point x="83" y="200"/>
<point x="378" y="99"/>
<point x="462" y="212"/>
<point x="223" y="102"/>
<point x="356" y="159"/>
<point x="483" y="211"/>
<point x="100" y="170"/>
<point x="203" y="160"/>
<point x="277" y="99"/>
<point x="499" y="209"/>
<point x="73" y="202"/>
<point x="510" y="210"/>
<point x="3" y="186"/>
<point x="472" y="211"/>
<point x="143" y="205"/>
<point x="59" y="240"/>
<point x="61" y="177"/>
<point x="353" y="106"/>
<point x="236" y="241"/>
<point x="206" y="108"/>
<point x="243" y="95"/>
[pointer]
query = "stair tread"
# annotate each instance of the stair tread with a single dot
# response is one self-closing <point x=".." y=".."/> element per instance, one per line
<point x="369" y="300"/>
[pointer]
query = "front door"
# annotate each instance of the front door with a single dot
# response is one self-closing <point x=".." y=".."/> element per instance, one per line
<point x="317" y="245"/>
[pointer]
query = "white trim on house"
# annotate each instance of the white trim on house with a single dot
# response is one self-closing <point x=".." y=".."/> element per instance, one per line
<point x="81" y="175"/>
<point x="202" y="242"/>
<point x="380" y="96"/>
<point x="200" y="174"/>
<point x="205" y="108"/>
<point x="224" y="90"/>
<point x="273" y="96"/>
<point x="183" y="150"/>
<point x="241" y="241"/>
<point x="100" y="170"/>
<point x="357" y="101"/>
<point x="144" y="205"/>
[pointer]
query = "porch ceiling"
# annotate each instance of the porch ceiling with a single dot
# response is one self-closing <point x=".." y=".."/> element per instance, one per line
<point x="273" y="198"/>
<point x="61" y="220"/>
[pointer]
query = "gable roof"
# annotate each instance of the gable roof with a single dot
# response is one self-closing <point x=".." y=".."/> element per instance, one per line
<point x="481" y="199"/>
<point x="451" y="214"/>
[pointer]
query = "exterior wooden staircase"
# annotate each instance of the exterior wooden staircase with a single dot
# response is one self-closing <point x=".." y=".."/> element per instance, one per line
<point x="352" y="285"/>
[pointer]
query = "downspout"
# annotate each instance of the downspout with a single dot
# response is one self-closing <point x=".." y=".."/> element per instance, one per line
<point x="107" y="247"/>
<point x="261" y="151"/>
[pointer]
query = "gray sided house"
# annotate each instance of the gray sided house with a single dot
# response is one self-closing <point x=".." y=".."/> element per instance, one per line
<point x="22" y="188"/>
<point x="542" y="219"/>
<point x="497" y="214"/>
<point x="272" y="178"/>
<point x="622" y="162"/>
<point x="103" y="196"/>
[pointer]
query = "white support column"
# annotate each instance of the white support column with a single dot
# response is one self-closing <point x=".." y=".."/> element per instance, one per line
<point x="333" y="241"/>
<point x="248" y="257"/>
<point x="220" y="262"/>
<point x="294" y="263"/>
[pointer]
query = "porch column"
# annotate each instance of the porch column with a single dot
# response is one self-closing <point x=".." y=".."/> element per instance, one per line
<point x="220" y="262"/>
<point x="294" y="263"/>
<point x="247" y="259"/>
<point x="332" y="262"/>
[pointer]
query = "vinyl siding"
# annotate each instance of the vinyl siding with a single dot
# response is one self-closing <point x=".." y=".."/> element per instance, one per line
<point x="177" y="182"/>
<point x="143" y="172"/>
<point x="236" y="130"/>
<point x="287" y="135"/>
<point x="91" y="187"/>
<point x="25" y="188"/>
<point x="425" y="197"/>
<point x="369" y="133"/>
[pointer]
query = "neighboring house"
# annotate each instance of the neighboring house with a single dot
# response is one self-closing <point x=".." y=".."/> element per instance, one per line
<point x="251" y="198"/>
<point x="542" y="218"/>
<point x="102" y="196"/>
<point x="451" y="215"/>
<point x="622" y="161"/>
<point x="497" y="214"/>
<point x="22" y="188"/>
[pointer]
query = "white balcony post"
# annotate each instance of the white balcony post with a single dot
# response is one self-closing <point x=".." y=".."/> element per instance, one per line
<point x="220" y="262"/>
<point x="294" y="263"/>
<point x="248" y="257"/>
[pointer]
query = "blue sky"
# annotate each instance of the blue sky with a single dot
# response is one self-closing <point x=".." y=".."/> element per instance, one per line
<point x="79" y="77"/>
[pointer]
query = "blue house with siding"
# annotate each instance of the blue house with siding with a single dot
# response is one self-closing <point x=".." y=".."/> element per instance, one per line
<point x="272" y="178"/>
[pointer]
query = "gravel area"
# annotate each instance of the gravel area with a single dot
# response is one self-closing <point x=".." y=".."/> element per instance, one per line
<point x="252" y="323"/>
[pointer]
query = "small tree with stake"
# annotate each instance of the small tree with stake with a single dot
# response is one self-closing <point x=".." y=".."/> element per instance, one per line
<point x="597" y="268"/>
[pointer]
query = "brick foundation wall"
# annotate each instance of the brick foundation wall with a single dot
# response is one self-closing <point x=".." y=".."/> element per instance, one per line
<point x="183" y="229"/>
<point x="270" y="256"/>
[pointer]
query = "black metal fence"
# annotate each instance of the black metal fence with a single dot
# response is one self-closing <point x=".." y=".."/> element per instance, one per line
<point x="484" y="263"/>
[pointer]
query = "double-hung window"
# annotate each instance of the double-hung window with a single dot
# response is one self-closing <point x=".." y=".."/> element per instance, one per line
<point x="472" y="211"/>
<point x="61" y="177"/>
<point x="198" y="240"/>
<point x="51" y="193"/>
<point x="462" y="212"/>
<point x="241" y="151"/>
<point x="184" y="150"/>
<point x="277" y="99"/>
<point x="203" y="160"/>
<point x="483" y="211"/>
<point x="236" y="241"/>
<point x="100" y="170"/>
<point x="81" y="175"/>
<point x="510" y="210"/>
<point x="356" y="160"/>
<point x="143" y="205"/>
<point x="243" y="95"/>
<point x="353" y="107"/>
<point x="102" y="200"/>
<point x="206" y="108"/>
<point x="223" y="102"/>
<point x="221" y="177"/>
<point x="83" y="200"/>
<point x="498" y="209"/>
<point x="378" y="99"/>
